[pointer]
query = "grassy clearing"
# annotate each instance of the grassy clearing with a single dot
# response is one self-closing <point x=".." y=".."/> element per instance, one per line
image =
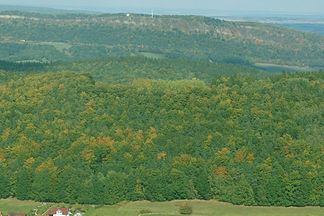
<point x="200" y="208"/>
<point x="62" y="47"/>
<point x="9" y="205"/>
<point x="152" y="55"/>
<point x="280" y="68"/>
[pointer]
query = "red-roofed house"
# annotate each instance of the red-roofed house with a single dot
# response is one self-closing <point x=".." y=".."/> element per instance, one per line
<point x="59" y="212"/>
<point x="16" y="214"/>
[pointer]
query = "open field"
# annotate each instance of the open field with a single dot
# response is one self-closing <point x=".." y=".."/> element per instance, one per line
<point x="9" y="205"/>
<point x="200" y="208"/>
<point x="152" y="55"/>
<point x="62" y="47"/>
<point x="280" y="68"/>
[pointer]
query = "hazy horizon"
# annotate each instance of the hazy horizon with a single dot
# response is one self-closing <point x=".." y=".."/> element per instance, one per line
<point x="310" y="7"/>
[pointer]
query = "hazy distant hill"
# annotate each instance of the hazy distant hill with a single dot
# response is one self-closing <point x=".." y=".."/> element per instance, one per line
<point x="308" y="23"/>
<point x="43" y="37"/>
<point x="309" y="27"/>
<point x="39" y="9"/>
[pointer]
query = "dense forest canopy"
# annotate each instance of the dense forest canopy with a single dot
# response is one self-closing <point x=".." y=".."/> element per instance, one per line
<point x="119" y="70"/>
<point x="104" y="108"/>
<point x="66" y="138"/>
<point x="51" y="37"/>
<point x="125" y="69"/>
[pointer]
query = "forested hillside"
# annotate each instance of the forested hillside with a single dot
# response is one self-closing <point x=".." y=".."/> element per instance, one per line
<point x="42" y="37"/>
<point x="125" y="69"/>
<point x="66" y="138"/>
<point x="119" y="70"/>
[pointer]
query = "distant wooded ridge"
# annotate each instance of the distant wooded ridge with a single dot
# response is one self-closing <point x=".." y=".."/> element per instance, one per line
<point x="53" y="37"/>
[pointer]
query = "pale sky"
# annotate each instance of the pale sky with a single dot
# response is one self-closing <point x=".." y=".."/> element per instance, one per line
<point x="291" y="6"/>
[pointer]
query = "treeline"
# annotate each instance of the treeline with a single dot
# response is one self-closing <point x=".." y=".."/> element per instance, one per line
<point x="21" y="67"/>
<point x="14" y="71"/>
<point x="66" y="138"/>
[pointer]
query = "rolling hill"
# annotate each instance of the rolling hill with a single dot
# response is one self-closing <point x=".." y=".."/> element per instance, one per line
<point x="45" y="37"/>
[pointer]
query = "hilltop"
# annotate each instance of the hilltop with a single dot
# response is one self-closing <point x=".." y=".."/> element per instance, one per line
<point x="52" y="37"/>
<point x="66" y="138"/>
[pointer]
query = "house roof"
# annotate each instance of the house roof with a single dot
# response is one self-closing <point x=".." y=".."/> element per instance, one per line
<point x="64" y="211"/>
<point x="16" y="214"/>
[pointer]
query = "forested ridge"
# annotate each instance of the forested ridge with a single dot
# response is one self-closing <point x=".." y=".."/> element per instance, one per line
<point x="52" y="37"/>
<point x="121" y="70"/>
<point x="65" y="137"/>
